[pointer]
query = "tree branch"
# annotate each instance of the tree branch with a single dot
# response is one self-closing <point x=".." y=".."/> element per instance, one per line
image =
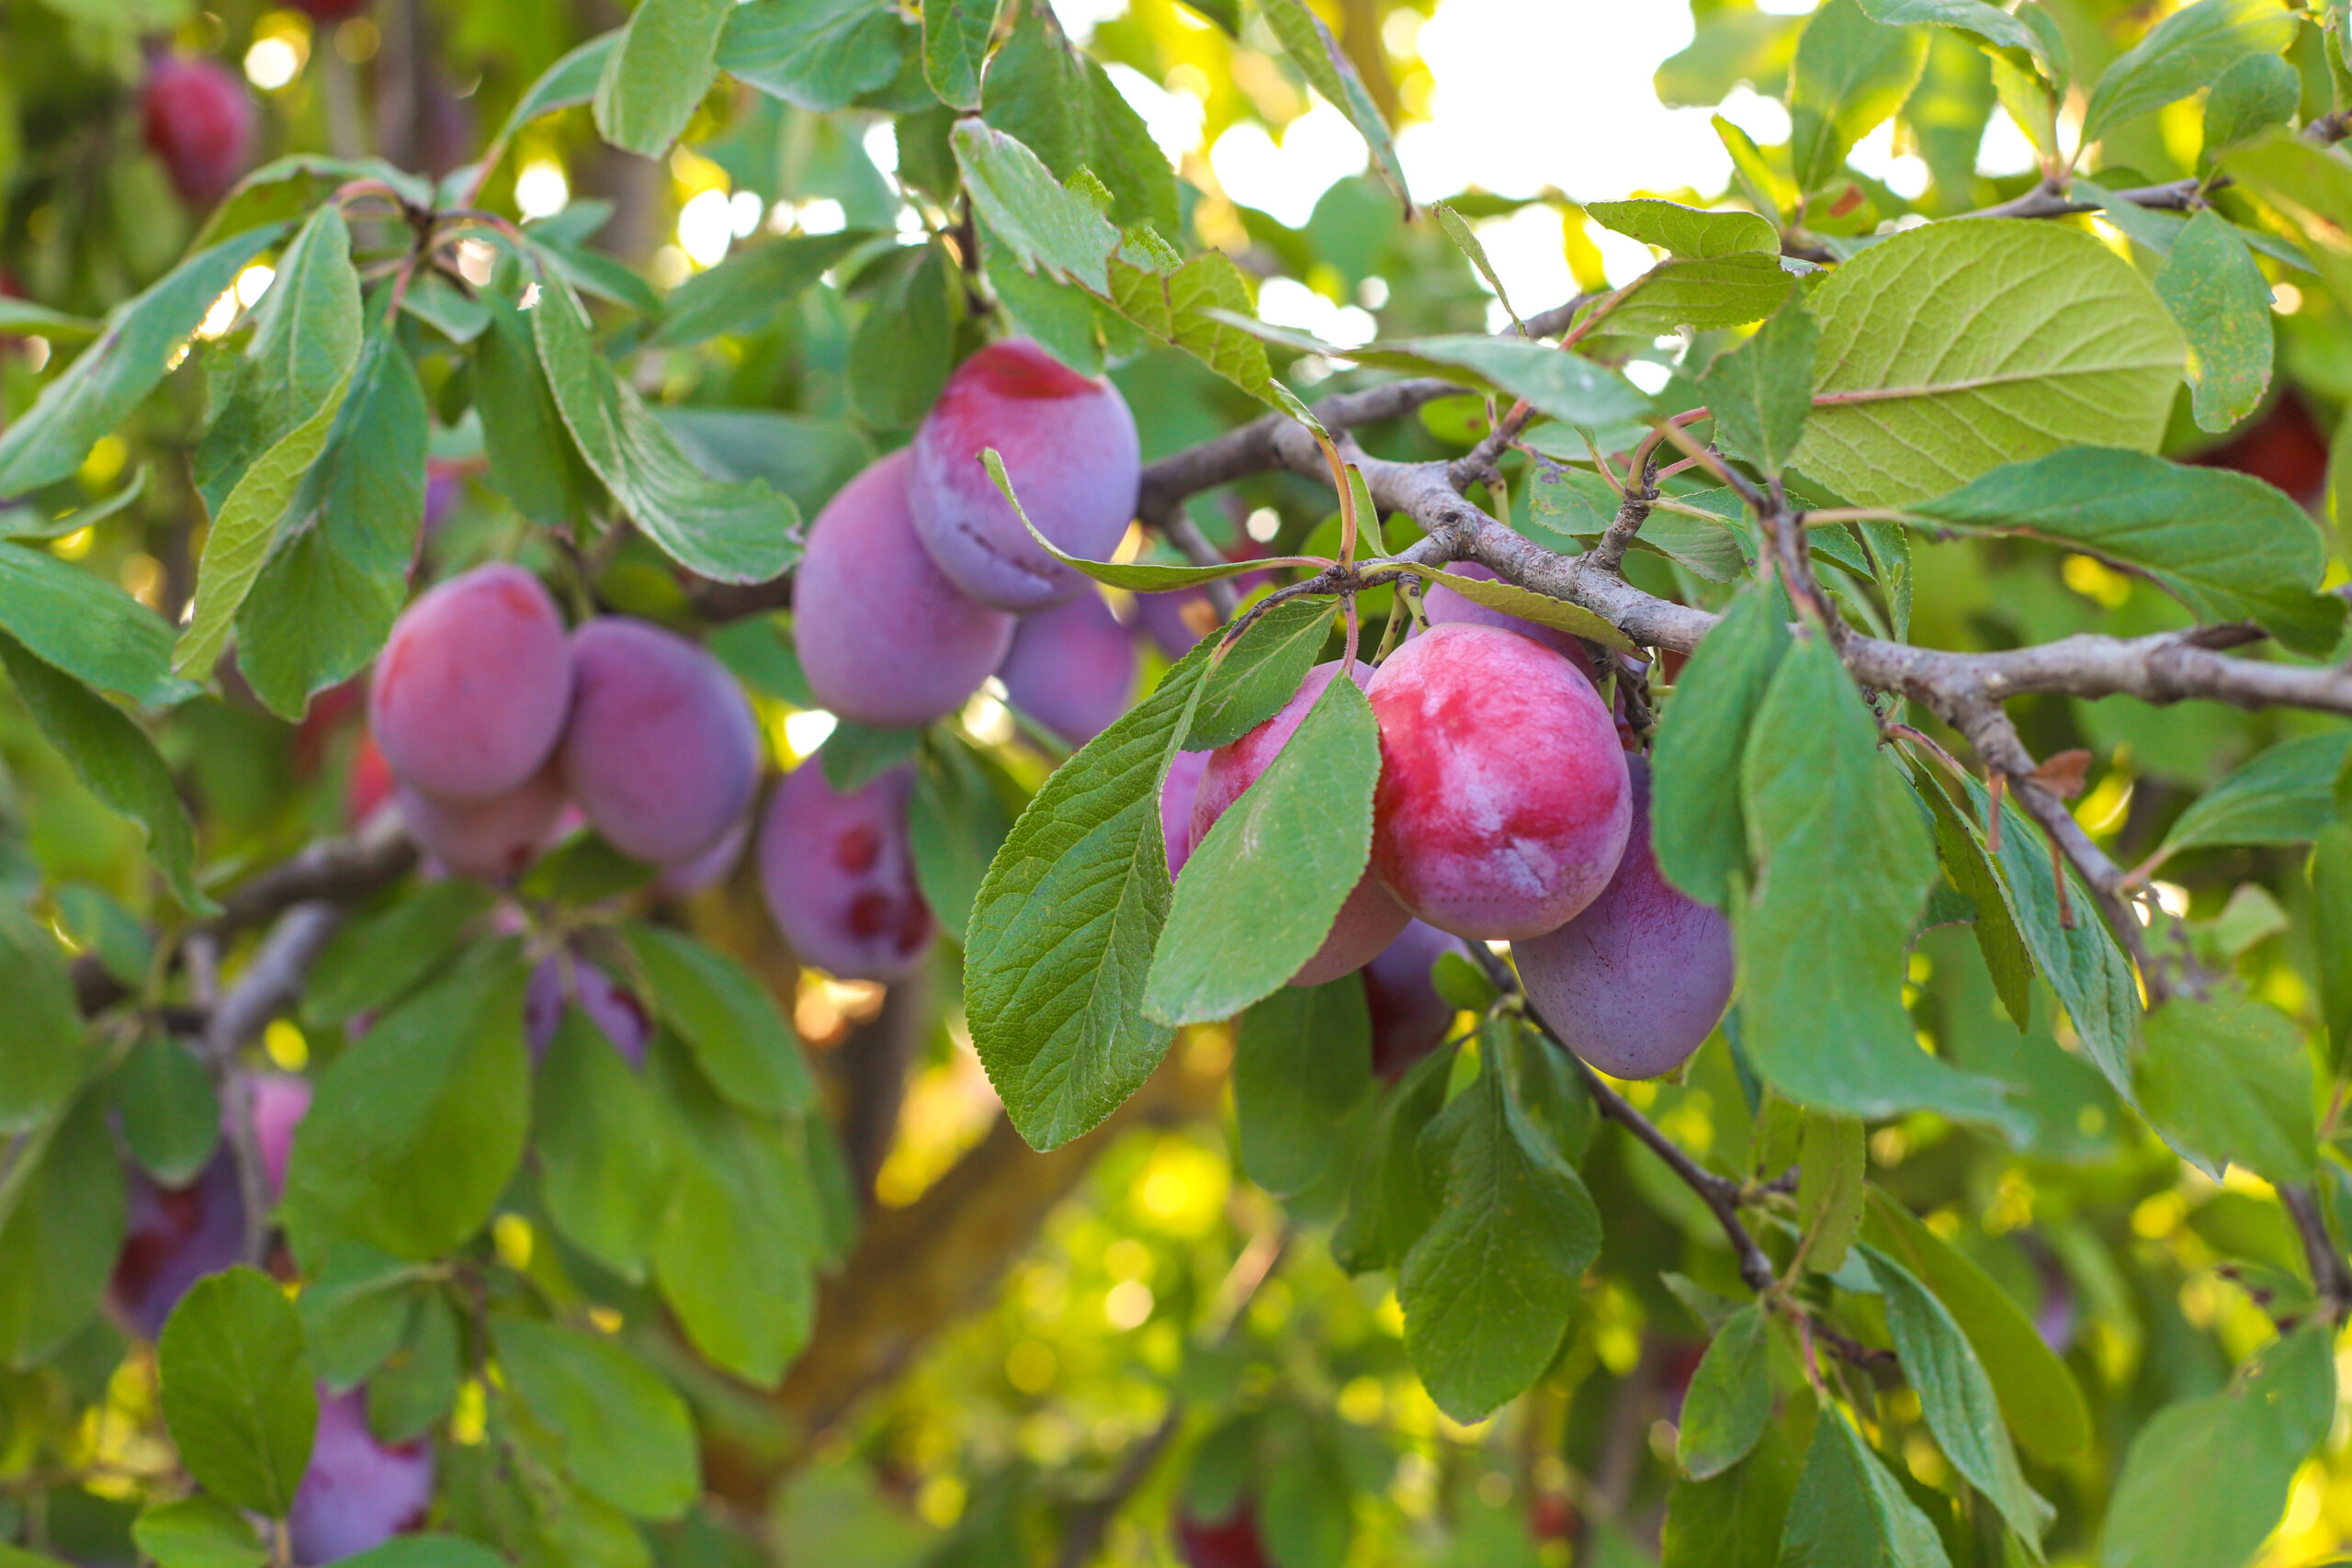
<point x="2331" y="1275"/>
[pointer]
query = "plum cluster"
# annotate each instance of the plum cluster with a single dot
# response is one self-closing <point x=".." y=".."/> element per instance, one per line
<point x="1507" y="811"/>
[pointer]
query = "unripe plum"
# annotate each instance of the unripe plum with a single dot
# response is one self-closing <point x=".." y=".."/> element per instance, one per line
<point x="490" y="840"/>
<point x="1069" y="446"/>
<point x="1410" y="1019"/>
<point x="1072" y="668"/>
<point x="1370" y="919"/>
<point x="1637" y="982"/>
<point x="663" y="754"/>
<point x="1176" y="797"/>
<point x="839" y="875"/>
<point x="1444" y="606"/>
<point x="1503" y="802"/>
<point x="200" y="121"/>
<point x="611" y="1008"/>
<point x="883" y="636"/>
<point x="1230" y="1542"/>
<point x="473" y="686"/>
<point x="174" y="1236"/>
<point x="356" y="1494"/>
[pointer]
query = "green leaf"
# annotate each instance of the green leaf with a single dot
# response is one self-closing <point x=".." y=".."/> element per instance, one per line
<point x="855" y="754"/>
<point x="40" y="1029"/>
<point x="569" y="81"/>
<point x="26" y="523"/>
<point x="22" y="316"/>
<point x="426" y="1551"/>
<point x="1567" y="506"/>
<point x="1291" y="849"/>
<point x="114" y="374"/>
<point x="1968" y="865"/>
<point x="2259" y="93"/>
<point x="1849" y="1513"/>
<point x="732" y="1260"/>
<point x="2331" y="874"/>
<point x="1196" y="308"/>
<point x="1067" y="319"/>
<point x="1686" y="231"/>
<point x="1302" y="1062"/>
<point x="199" y="1532"/>
<point x="415" y="1129"/>
<point x="1261" y="672"/>
<point x="2224" y="544"/>
<point x="1699" y="827"/>
<point x="116" y="759"/>
<point x="2039" y="1396"/>
<point x="2219" y="296"/>
<point x="1841" y="870"/>
<point x="605" y="1159"/>
<point x="2308" y="186"/>
<point x="1329" y="70"/>
<point x="78" y="622"/>
<point x="1957" y="1398"/>
<point x="2187" y="51"/>
<point x="1734" y="1520"/>
<point x="171" y="1121"/>
<point x="2207" y="1479"/>
<point x="1730" y="1397"/>
<point x="1680" y="292"/>
<point x="2284" y="796"/>
<point x="328" y="597"/>
<point x="742" y="292"/>
<point x="956" y="36"/>
<point x="238" y="1392"/>
<point x="955" y="824"/>
<point x="1390" y="1202"/>
<point x="1527" y="604"/>
<point x="1990" y="23"/>
<point x="730" y="533"/>
<point x="727" y="1018"/>
<point x="1830" y="1165"/>
<point x="1488" y="1287"/>
<point x="375" y="961"/>
<point x="355" y="1310"/>
<point x="655" y="79"/>
<point x="1849" y="75"/>
<point x="61" y="1231"/>
<point x="1566" y="387"/>
<point x="1060" y="104"/>
<point x="899" y="356"/>
<point x="532" y="461"/>
<point x="806" y="459"/>
<point x="1465" y="240"/>
<point x="623" y="1433"/>
<point x="2227" y="1080"/>
<point x="1020" y="201"/>
<point x="818" y="54"/>
<point x="1761" y="392"/>
<point x="416" y="1388"/>
<point x="1952" y="349"/>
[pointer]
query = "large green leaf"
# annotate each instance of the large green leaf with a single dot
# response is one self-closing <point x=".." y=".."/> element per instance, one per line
<point x="2224" y="544"/>
<point x="742" y="1043"/>
<point x="654" y="81"/>
<point x="1849" y="1513"/>
<point x="1761" y="392"/>
<point x="623" y="1433"/>
<point x="1680" y="292"/>
<point x="1842" y="867"/>
<point x="1291" y="850"/>
<point x="1730" y="1397"/>
<point x="604" y="1147"/>
<point x="1957" y="1398"/>
<point x="2207" y="1479"/>
<point x="730" y="532"/>
<point x="2227" y="1080"/>
<point x="1953" y="348"/>
<point x="1061" y="105"/>
<point x="955" y="46"/>
<point x="2184" y="52"/>
<point x="78" y="622"/>
<point x="742" y="292"/>
<point x="2219" y="296"/>
<point x="171" y="1118"/>
<point x="197" y="1532"/>
<point x="818" y="54"/>
<point x="415" y="1129"/>
<point x="40" y="1029"/>
<point x="899" y="356"/>
<point x="2285" y="796"/>
<point x="98" y="391"/>
<point x="1700" y="830"/>
<point x="238" y="1391"/>
<point x="1990" y="23"/>
<point x="1196" y="308"/>
<point x="1831" y="1162"/>
<point x="1050" y="228"/>
<point x="1686" y="231"/>
<point x="1734" y="1520"/>
<point x="61" y="1231"/>
<point x="1488" y="1287"/>
<point x="1302" y="1062"/>
<point x="532" y="461"/>
<point x="1392" y="1198"/>
<point x="1849" y="76"/>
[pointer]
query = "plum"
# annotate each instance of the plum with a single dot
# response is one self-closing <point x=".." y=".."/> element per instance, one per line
<point x="200" y="121"/>
<point x="1410" y="1019"/>
<point x="490" y="840"/>
<point x="711" y="866"/>
<point x="279" y="1103"/>
<point x="473" y="686"/>
<point x="1072" y="668"/>
<point x="330" y="10"/>
<point x="883" y="636"/>
<point x="357" y="1492"/>
<point x="610" y="1007"/>
<point x="1230" y="1542"/>
<point x="663" y="753"/>
<point x="370" y="782"/>
<point x="1444" y="606"/>
<point x="1176" y="797"/>
<point x="1635" y="983"/>
<point x="1503" y="803"/>
<point x="1370" y="919"/>
<point x="174" y="1236"/>
<point x="839" y="875"/>
<point x="1069" y="446"/>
